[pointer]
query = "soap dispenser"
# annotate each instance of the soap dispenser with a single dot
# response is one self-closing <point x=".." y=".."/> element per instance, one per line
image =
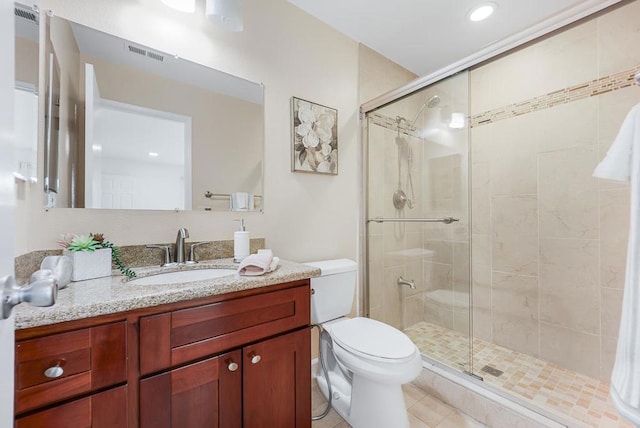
<point x="240" y="243"/>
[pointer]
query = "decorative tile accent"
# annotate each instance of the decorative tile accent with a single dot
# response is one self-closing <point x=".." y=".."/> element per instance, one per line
<point x="393" y="124"/>
<point x="138" y="255"/>
<point x="595" y="87"/>
<point x="552" y="387"/>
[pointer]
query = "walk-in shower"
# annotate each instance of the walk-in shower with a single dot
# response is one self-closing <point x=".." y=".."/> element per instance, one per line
<point x="499" y="254"/>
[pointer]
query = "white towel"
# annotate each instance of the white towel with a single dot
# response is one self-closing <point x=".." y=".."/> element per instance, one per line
<point x="622" y="162"/>
<point x="239" y="201"/>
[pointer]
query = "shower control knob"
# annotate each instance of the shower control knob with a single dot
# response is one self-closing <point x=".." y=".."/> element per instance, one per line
<point x="255" y="358"/>
<point x="232" y="366"/>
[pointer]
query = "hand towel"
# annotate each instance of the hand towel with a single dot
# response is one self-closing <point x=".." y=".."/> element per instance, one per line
<point x="239" y="201"/>
<point x="255" y="264"/>
<point x="622" y="162"/>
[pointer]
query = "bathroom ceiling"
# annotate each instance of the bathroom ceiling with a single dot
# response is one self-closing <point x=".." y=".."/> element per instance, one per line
<point x="427" y="35"/>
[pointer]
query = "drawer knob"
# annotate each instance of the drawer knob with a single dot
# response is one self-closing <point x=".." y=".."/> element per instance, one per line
<point x="231" y="365"/>
<point x="255" y="358"/>
<point x="54" y="372"/>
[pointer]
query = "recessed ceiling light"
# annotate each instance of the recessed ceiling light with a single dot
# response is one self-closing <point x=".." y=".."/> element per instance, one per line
<point x="481" y="12"/>
<point x="153" y="154"/>
<point x="188" y="6"/>
<point x="96" y="147"/>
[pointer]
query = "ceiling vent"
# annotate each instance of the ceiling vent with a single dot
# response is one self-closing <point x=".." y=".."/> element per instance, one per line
<point x="26" y="14"/>
<point x="139" y="50"/>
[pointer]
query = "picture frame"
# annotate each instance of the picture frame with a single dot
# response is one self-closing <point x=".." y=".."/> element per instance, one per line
<point x="314" y="137"/>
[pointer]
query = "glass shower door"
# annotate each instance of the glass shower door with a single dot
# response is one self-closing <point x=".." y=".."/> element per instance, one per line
<point x="418" y="245"/>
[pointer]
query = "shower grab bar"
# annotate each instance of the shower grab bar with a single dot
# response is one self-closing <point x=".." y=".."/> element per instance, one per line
<point x="445" y="220"/>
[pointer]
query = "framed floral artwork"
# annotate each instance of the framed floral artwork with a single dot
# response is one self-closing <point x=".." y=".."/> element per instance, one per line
<point x="314" y="135"/>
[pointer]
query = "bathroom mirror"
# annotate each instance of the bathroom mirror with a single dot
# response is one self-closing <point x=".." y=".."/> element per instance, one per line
<point x="143" y="129"/>
<point x="26" y="92"/>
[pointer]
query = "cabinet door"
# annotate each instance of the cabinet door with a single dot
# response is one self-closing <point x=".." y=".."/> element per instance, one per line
<point x="204" y="394"/>
<point x="106" y="409"/>
<point x="277" y="382"/>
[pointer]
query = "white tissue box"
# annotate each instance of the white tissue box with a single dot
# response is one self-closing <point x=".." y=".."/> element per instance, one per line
<point x="90" y="264"/>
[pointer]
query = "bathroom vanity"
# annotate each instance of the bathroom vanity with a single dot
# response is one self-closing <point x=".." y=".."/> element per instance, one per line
<point x="236" y="355"/>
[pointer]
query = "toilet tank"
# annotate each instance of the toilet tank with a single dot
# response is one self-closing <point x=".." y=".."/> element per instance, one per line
<point x="333" y="291"/>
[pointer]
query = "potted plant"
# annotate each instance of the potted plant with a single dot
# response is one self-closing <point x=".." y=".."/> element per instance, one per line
<point x="92" y="255"/>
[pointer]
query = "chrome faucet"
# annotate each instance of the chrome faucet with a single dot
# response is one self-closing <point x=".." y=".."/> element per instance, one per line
<point x="180" y="245"/>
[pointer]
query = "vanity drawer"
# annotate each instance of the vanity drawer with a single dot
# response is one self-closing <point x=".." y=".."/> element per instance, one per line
<point x="185" y="335"/>
<point x="105" y="409"/>
<point x="78" y="361"/>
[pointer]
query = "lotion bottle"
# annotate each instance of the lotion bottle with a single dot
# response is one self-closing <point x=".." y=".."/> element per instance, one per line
<point x="240" y="243"/>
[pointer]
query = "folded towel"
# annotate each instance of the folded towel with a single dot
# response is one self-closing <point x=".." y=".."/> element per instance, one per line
<point x="58" y="267"/>
<point x="257" y="264"/>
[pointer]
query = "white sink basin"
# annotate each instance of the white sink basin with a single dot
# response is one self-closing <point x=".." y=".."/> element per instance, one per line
<point x="182" y="276"/>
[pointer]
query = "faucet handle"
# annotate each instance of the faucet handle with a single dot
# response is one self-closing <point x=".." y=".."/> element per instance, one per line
<point x="192" y="252"/>
<point x="167" y="253"/>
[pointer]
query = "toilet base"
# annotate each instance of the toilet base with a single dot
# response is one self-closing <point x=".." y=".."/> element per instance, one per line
<point x="365" y="403"/>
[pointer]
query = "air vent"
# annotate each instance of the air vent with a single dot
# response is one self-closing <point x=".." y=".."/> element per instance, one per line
<point x="26" y="14"/>
<point x="155" y="55"/>
<point x="138" y="50"/>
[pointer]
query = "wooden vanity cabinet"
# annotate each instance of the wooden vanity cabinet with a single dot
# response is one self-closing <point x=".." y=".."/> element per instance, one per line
<point x="264" y="382"/>
<point x="236" y="360"/>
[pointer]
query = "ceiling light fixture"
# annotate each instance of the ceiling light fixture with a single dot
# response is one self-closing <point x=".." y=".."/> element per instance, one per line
<point x="188" y="6"/>
<point x="226" y="13"/>
<point x="481" y="12"/>
<point x="153" y="154"/>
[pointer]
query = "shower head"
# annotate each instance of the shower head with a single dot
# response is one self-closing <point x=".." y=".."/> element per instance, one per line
<point x="432" y="102"/>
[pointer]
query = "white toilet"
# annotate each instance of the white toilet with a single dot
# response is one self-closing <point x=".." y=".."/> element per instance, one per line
<point x="367" y="360"/>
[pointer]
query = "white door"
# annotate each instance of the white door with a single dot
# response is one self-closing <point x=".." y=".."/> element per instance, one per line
<point x="7" y="202"/>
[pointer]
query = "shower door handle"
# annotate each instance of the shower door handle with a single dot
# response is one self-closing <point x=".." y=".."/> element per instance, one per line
<point x="445" y="220"/>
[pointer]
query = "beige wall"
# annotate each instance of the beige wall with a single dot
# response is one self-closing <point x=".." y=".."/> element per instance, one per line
<point x="548" y="239"/>
<point x="26" y="61"/>
<point x="306" y="216"/>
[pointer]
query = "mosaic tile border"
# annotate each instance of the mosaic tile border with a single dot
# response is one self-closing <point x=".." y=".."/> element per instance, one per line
<point x="393" y="124"/>
<point x="599" y="86"/>
<point x="592" y="88"/>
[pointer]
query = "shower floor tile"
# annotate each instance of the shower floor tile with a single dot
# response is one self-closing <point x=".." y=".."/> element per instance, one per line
<point x="549" y="386"/>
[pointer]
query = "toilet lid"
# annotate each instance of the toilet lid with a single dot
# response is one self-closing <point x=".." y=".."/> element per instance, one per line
<point x="372" y="338"/>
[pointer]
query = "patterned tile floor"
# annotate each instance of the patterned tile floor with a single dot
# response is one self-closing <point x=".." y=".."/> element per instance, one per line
<point x="549" y="386"/>
<point x="424" y="411"/>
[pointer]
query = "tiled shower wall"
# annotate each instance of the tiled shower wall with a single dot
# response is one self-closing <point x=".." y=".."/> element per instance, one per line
<point x="548" y="239"/>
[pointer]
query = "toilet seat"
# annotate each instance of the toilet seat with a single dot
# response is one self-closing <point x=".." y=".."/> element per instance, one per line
<point x="373" y="340"/>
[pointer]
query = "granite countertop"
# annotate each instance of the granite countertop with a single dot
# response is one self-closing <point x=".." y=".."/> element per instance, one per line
<point x="101" y="296"/>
